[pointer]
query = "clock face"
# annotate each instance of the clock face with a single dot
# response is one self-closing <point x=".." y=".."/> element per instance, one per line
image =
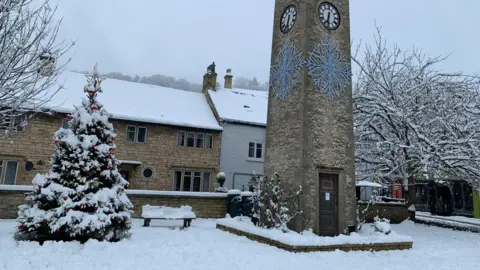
<point x="288" y="19"/>
<point x="329" y="16"/>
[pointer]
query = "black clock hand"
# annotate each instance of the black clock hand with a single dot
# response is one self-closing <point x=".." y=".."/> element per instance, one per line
<point x="328" y="17"/>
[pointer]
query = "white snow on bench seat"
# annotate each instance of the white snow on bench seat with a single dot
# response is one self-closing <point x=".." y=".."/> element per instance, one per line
<point x="166" y="212"/>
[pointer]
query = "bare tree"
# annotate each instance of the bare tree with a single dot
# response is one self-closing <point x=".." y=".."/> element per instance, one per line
<point x="413" y="121"/>
<point x="28" y="60"/>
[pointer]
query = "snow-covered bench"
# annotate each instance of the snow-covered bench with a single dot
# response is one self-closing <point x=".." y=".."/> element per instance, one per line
<point x="184" y="212"/>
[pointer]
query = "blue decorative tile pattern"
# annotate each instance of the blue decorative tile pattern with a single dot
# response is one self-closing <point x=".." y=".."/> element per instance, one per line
<point x="285" y="72"/>
<point x="328" y="68"/>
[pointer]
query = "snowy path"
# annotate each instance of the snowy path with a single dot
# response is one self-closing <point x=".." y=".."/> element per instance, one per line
<point x="203" y="247"/>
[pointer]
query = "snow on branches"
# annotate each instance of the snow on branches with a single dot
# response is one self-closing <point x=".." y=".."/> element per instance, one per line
<point x="275" y="202"/>
<point x="412" y="121"/>
<point x="83" y="196"/>
<point x="29" y="57"/>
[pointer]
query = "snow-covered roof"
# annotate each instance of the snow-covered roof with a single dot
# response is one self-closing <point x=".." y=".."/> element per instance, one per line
<point x="367" y="184"/>
<point x="139" y="102"/>
<point x="241" y="105"/>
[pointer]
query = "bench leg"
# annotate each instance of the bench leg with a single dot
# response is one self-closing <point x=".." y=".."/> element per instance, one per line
<point x="146" y="222"/>
<point x="188" y="221"/>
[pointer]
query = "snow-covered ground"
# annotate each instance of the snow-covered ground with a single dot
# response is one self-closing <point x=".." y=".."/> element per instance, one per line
<point x="204" y="247"/>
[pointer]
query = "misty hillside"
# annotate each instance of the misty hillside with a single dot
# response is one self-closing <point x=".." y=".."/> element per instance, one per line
<point x="182" y="84"/>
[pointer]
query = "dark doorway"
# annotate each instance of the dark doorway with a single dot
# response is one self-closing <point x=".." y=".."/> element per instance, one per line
<point x="328" y="205"/>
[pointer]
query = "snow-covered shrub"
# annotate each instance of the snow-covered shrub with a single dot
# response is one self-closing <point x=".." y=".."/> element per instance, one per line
<point x="275" y="202"/>
<point x="83" y="196"/>
<point x="382" y="225"/>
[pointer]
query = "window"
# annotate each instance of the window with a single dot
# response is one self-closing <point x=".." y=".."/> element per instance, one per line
<point x="255" y="150"/>
<point x="191" y="181"/>
<point x="130" y="136"/>
<point x="65" y="123"/>
<point x="142" y="135"/>
<point x="125" y="175"/>
<point x="209" y="141"/>
<point x="15" y="123"/>
<point x="136" y="134"/>
<point x="181" y="138"/>
<point x="177" y="181"/>
<point x="187" y="180"/>
<point x="147" y="173"/>
<point x="206" y="181"/>
<point x="199" y="140"/>
<point x="8" y="171"/>
<point x="197" y="179"/>
<point x="192" y="139"/>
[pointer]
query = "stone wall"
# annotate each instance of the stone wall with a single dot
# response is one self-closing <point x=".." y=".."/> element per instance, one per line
<point x="205" y="205"/>
<point x="9" y="202"/>
<point x="395" y="212"/>
<point x="160" y="152"/>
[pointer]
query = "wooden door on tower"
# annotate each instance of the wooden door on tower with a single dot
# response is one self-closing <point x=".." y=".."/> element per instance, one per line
<point x="328" y="205"/>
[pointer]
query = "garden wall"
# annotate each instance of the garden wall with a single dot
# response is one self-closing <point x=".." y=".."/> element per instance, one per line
<point x="204" y="204"/>
<point x="395" y="212"/>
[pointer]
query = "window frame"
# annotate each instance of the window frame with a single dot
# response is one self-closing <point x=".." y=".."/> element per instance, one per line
<point x="186" y="140"/>
<point x="138" y="132"/>
<point x="148" y="168"/>
<point x="3" y="170"/>
<point x="196" y="139"/>
<point x="16" y="123"/>
<point x="192" y="177"/>
<point x="255" y="149"/>
<point x="184" y="143"/>
<point x="134" y="133"/>
<point x="65" y="122"/>
<point x="205" y="140"/>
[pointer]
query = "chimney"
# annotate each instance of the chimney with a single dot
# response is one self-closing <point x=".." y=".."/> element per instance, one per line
<point x="228" y="79"/>
<point x="210" y="79"/>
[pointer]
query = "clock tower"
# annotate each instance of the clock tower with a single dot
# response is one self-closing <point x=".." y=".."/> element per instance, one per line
<point x="310" y="122"/>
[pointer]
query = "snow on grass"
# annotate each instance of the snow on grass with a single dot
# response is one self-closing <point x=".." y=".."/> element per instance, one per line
<point x="366" y="236"/>
<point x="204" y="247"/>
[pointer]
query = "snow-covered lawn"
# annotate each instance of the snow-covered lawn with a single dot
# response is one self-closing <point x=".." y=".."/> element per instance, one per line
<point x="204" y="247"/>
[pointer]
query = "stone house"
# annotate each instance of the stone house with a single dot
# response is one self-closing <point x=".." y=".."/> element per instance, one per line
<point x="243" y="116"/>
<point x="167" y="139"/>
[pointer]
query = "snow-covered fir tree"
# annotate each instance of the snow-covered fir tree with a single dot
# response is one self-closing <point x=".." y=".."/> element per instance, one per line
<point x="275" y="202"/>
<point x="83" y="195"/>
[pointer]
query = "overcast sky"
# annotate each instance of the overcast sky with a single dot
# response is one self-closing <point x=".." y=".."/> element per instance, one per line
<point x="181" y="38"/>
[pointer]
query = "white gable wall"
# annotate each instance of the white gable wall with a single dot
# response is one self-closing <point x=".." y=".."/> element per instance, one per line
<point x="234" y="160"/>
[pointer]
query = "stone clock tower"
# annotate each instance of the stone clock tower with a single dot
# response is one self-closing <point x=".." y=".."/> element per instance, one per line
<point x="310" y="123"/>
